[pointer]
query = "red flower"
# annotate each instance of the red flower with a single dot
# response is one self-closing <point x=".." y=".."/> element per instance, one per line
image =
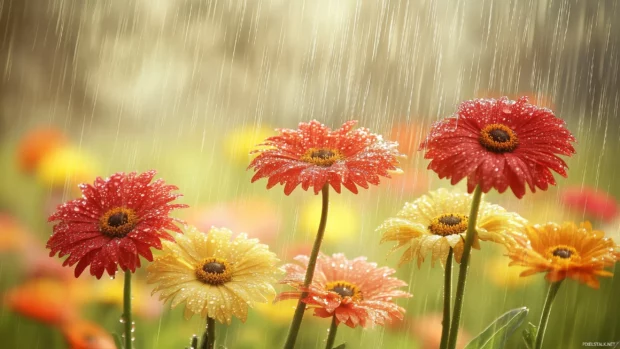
<point x="314" y="155"/>
<point x="594" y="203"/>
<point x="116" y="221"/>
<point x="499" y="144"/>
<point x="355" y="291"/>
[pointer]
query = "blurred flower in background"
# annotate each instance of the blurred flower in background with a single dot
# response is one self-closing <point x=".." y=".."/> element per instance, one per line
<point x="67" y="165"/>
<point x="81" y="334"/>
<point x="240" y="142"/>
<point x="36" y="144"/>
<point x="343" y="220"/>
<point x="258" y="217"/>
<point x="590" y="202"/>
<point x="503" y="276"/>
<point x="426" y="330"/>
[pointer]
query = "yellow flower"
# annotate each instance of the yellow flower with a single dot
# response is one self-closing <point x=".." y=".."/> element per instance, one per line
<point x="436" y="222"/>
<point x="240" y="142"/>
<point x="66" y="166"/>
<point x="342" y="221"/>
<point x="562" y="251"/>
<point x="504" y="276"/>
<point x="215" y="275"/>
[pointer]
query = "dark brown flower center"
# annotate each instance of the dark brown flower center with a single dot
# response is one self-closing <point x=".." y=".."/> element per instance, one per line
<point x="498" y="138"/>
<point x="499" y="135"/>
<point x="448" y="224"/>
<point x="213" y="271"/>
<point x="118" y="222"/>
<point x="118" y="219"/>
<point x="324" y="157"/>
<point x="322" y="154"/>
<point x="562" y="253"/>
<point x="214" y="267"/>
<point x="344" y="289"/>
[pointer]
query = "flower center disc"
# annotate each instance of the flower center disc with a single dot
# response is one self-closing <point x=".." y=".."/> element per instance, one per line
<point x="563" y="253"/>
<point x="344" y="289"/>
<point x="118" y="222"/>
<point x="498" y="138"/>
<point x="324" y="157"/>
<point x="448" y="224"/>
<point x="213" y="271"/>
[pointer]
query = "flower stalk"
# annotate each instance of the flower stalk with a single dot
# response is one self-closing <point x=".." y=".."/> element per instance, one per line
<point x="447" y="299"/>
<point x="542" y="326"/>
<point x="208" y="338"/>
<point x="127" y="321"/>
<point x="460" y="286"/>
<point x="331" y="337"/>
<point x="301" y="306"/>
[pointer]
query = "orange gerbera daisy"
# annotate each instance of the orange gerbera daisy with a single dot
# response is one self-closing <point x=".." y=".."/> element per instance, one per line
<point x="563" y="251"/>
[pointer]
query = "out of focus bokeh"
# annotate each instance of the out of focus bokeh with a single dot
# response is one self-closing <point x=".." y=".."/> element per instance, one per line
<point x="188" y="87"/>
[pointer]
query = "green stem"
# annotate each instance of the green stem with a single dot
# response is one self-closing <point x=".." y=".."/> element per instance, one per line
<point x="542" y="326"/>
<point x="128" y="322"/>
<point x="447" y="299"/>
<point x="460" y="286"/>
<point x="331" y="337"/>
<point x="301" y="306"/>
<point x="208" y="338"/>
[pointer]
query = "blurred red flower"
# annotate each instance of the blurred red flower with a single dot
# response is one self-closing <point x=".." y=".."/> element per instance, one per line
<point x="499" y="144"/>
<point x="314" y="155"/>
<point x="594" y="203"/>
<point x="116" y="221"/>
<point x="355" y="291"/>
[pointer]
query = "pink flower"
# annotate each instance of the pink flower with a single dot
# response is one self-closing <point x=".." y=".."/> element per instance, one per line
<point x="355" y="291"/>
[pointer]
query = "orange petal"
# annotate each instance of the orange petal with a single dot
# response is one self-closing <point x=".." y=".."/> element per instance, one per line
<point x="82" y="334"/>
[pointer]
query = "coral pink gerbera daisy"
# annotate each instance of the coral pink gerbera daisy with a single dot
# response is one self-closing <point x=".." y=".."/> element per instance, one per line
<point x="355" y="291"/>
<point x="314" y="155"/>
<point x="116" y="221"/>
<point x="499" y="144"/>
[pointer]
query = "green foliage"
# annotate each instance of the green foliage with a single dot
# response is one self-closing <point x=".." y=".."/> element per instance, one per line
<point x="498" y="332"/>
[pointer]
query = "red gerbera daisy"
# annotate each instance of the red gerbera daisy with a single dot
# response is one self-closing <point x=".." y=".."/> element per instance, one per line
<point x="499" y="144"/>
<point x="355" y="291"/>
<point x="116" y="221"/>
<point x="314" y="155"/>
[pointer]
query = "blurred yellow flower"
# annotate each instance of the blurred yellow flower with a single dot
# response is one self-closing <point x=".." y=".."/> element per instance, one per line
<point x="343" y="222"/>
<point x="110" y="291"/>
<point x="436" y="222"/>
<point x="280" y="312"/>
<point x="504" y="276"/>
<point x="240" y="142"/>
<point x="36" y="144"/>
<point x="215" y="275"/>
<point x="66" y="165"/>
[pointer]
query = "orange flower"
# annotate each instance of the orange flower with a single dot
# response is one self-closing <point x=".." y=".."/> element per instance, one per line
<point x="45" y="300"/>
<point x="82" y="334"/>
<point x="35" y="145"/>
<point x="564" y="251"/>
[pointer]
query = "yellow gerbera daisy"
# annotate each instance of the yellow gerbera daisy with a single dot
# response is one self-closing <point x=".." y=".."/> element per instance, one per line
<point x="563" y="251"/>
<point x="215" y="275"/>
<point x="437" y="221"/>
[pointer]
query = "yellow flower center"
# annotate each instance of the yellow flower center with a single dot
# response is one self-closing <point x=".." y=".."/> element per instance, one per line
<point x="324" y="157"/>
<point x="562" y="253"/>
<point x="118" y="222"/>
<point x="498" y="138"/>
<point x="213" y="271"/>
<point x="345" y="289"/>
<point x="448" y="224"/>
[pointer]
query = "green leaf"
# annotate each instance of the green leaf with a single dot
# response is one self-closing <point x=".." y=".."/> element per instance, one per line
<point x="341" y="346"/>
<point x="118" y="341"/>
<point x="529" y="335"/>
<point x="495" y="336"/>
